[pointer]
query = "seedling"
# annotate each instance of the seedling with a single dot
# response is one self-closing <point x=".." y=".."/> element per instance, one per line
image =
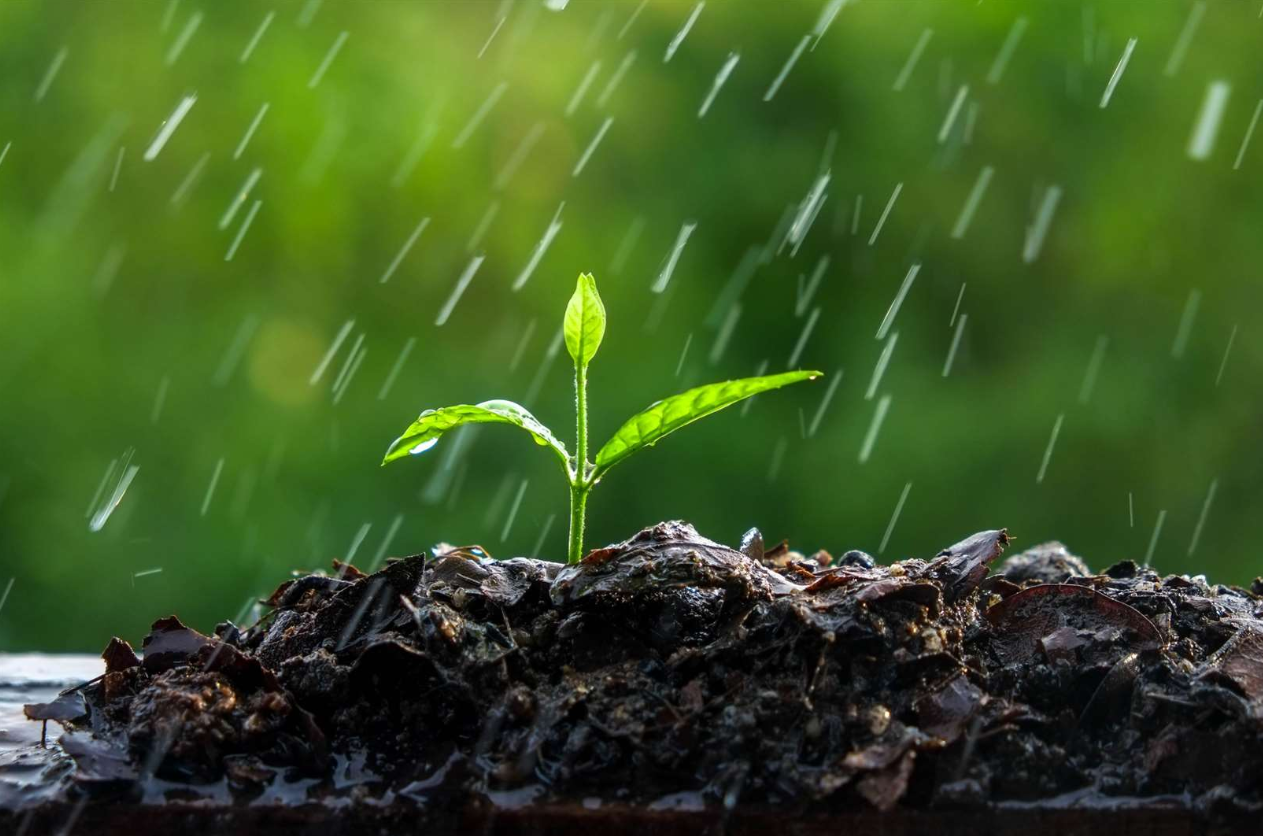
<point x="584" y="327"/>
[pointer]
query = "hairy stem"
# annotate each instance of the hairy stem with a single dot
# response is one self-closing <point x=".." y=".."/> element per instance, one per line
<point x="578" y="506"/>
<point x="579" y="473"/>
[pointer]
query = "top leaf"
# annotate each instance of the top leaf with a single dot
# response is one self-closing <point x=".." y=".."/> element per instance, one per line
<point x="585" y="321"/>
<point x="666" y="416"/>
<point x="425" y="432"/>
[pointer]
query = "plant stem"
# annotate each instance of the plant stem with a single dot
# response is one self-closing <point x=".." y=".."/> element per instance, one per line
<point x="578" y="506"/>
<point x="579" y="473"/>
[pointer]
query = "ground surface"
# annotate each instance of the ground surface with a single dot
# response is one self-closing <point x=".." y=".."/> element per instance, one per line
<point x="671" y="682"/>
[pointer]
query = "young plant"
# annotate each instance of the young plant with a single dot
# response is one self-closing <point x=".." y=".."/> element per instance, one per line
<point x="584" y="327"/>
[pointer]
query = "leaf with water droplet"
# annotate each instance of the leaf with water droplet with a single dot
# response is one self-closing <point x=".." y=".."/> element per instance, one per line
<point x="585" y="321"/>
<point x="425" y="432"/>
<point x="647" y="427"/>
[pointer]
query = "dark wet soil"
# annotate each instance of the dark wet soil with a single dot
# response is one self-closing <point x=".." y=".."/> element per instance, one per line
<point x="672" y="674"/>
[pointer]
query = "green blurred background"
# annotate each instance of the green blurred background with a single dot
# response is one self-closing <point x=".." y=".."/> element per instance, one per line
<point x="129" y="344"/>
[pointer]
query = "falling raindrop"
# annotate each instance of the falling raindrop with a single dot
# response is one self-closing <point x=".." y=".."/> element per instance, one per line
<point x="380" y="555"/>
<point x="461" y="283"/>
<point x="492" y="36"/>
<point x="951" y="352"/>
<point x="1224" y="362"/>
<point x="956" y="307"/>
<point x="664" y="277"/>
<point x="1118" y="72"/>
<point x="730" y="63"/>
<point x="1039" y="229"/>
<point x="1201" y="520"/>
<point x="1176" y="58"/>
<point x="403" y="251"/>
<point x="683" y="354"/>
<point x="901" y="80"/>
<point x="880" y="369"/>
<point x="827" y="14"/>
<point x="415" y="152"/>
<point x="952" y="113"/>
<point x="254" y="126"/>
<point x="538" y="550"/>
<point x="1093" y="369"/>
<point x="971" y="203"/>
<point x="803" y="337"/>
<point x="537" y="254"/>
<point x="870" y="438"/>
<point x="612" y="85"/>
<point x="1048" y="451"/>
<point x="1245" y="141"/>
<point x="789" y="65"/>
<point x="210" y="489"/>
<point x="834" y="380"/>
<point x="885" y="213"/>
<point x="519" y="155"/>
<point x="241" y="233"/>
<point x="160" y="399"/>
<point x="389" y="383"/>
<point x="628" y="244"/>
<point x="812" y="285"/>
<point x="632" y="19"/>
<point x="726" y="330"/>
<point x="513" y="509"/>
<point x="328" y="59"/>
<point x="778" y="458"/>
<point x="168" y="127"/>
<point x="333" y="350"/>
<point x="1006" y="51"/>
<point x="1186" y="323"/>
<point x="236" y="350"/>
<point x="1153" y="541"/>
<point x="182" y="40"/>
<point x="190" y="179"/>
<point x="51" y="73"/>
<point x="240" y="197"/>
<point x="118" y="165"/>
<point x="897" y="302"/>
<point x="1202" y="141"/>
<point x="894" y="518"/>
<point x="596" y="140"/>
<point x="582" y="90"/>
<point x="256" y="37"/>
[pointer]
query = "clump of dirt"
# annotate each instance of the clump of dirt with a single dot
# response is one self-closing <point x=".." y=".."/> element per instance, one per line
<point x="672" y="671"/>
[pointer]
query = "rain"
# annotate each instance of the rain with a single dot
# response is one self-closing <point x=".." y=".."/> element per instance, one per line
<point x="668" y="268"/>
<point x="971" y="203"/>
<point x="1249" y="132"/>
<point x="255" y="243"/>
<point x="951" y="352"/>
<point x="1202" y="141"/>
<point x="596" y="140"/>
<point x="870" y="437"/>
<point x="1048" y="451"/>
<point x="168" y="127"/>
<point x="1118" y="73"/>
<point x="885" y="213"/>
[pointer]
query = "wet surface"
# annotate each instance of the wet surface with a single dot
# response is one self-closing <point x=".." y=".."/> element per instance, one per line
<point x="670" y="674"/>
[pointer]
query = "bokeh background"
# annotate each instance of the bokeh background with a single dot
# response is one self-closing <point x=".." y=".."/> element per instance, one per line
<point x="162" y="320"/>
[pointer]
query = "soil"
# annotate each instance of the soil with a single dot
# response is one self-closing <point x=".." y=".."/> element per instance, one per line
<point x="668" y="675"/>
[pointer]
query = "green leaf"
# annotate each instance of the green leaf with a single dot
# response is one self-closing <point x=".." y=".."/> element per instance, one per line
<point x="664" y="417"/>
<point x="425" y="432"/>
<point x="585" y="321"/>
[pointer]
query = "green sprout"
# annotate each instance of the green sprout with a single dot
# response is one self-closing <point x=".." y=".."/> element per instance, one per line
<point x="584" y="328"/>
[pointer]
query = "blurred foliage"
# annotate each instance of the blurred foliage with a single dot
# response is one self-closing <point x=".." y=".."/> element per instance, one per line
<point x="123" y="326"/>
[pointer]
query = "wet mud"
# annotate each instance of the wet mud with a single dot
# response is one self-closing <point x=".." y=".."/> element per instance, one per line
<point x="669" y="674"/>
